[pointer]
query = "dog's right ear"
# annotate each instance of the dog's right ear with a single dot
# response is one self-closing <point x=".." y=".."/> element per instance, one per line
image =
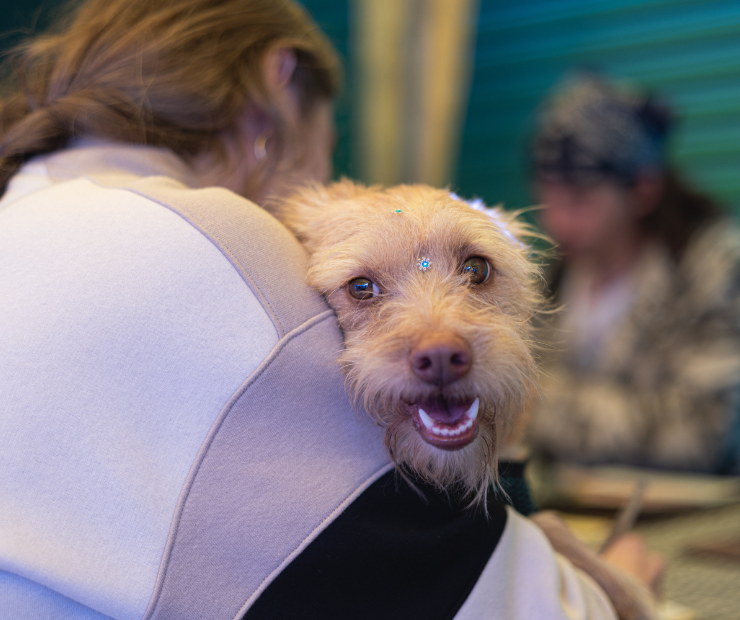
<point x="310" y="212"/>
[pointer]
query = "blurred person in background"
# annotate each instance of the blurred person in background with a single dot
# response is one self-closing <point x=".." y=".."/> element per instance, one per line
<point x="643" y="360"/>
<point x="176" y="437"/>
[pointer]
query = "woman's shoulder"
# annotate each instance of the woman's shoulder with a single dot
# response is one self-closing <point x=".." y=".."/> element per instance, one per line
<point x="720" y="236"/>
<point x="710" y="266"/>
<point x="154" y="181"/>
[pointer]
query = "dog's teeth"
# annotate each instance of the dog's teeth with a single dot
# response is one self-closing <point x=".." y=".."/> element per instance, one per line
<point x="473" y="411"/>
<point x="429" y="423"/>
<point x="426" y="420"/>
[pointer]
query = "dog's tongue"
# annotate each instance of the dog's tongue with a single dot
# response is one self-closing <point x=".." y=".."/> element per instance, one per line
<point x="447" y="413"/>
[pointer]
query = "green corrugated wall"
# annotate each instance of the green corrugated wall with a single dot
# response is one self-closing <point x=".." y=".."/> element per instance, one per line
<point x="688" y="50"/>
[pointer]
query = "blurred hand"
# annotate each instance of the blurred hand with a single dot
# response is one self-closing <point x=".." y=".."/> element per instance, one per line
<point x="630" y="554"/>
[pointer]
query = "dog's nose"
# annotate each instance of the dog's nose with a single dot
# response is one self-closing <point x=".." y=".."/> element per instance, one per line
<point x="441" y="359"/>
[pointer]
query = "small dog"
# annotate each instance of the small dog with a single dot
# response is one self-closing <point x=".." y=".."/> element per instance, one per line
<point x="435" y="299"/>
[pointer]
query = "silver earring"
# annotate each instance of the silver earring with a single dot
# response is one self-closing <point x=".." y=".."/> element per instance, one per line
<point x="260" y="146"/>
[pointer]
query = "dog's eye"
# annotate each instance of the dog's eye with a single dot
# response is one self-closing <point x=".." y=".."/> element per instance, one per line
<point x="477" y="269"/>
<point x="362" y="288"/>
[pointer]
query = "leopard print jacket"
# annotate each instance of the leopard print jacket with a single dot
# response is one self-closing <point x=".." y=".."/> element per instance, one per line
<point x="664" y="390"/>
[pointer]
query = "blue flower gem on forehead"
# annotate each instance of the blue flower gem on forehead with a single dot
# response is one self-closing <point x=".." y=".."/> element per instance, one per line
<point x="423" y="263"/>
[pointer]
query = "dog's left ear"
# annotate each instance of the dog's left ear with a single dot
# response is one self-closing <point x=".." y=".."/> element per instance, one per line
<point x="508" y="222"/>
<point x="309" y="212"/>
<point x="512" y="226"/>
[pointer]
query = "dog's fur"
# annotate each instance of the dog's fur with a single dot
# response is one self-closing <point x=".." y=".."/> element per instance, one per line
<point x="354" y="231"/>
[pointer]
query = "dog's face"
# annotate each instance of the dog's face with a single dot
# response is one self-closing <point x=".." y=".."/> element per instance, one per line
<point x="435" y="300"/>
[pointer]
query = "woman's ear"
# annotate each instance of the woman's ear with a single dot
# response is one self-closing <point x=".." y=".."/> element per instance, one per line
<point x="647" y="192"/>
<point x="243" y="151"/>
<point x="278" y="68"/>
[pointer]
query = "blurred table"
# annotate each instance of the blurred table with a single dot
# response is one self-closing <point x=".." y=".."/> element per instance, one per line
<point x="708" y="585"/>
<point x="679" y="511"/>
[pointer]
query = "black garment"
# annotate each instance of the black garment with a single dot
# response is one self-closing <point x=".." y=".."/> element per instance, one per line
<point x="511" y="479"/>
<point x="390" y="555"/>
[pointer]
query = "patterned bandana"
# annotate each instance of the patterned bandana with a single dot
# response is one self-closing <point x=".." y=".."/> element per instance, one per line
<point x="591" y="129"/>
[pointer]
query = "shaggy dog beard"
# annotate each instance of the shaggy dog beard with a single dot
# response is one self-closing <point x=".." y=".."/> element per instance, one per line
<point x="470" y="470"/>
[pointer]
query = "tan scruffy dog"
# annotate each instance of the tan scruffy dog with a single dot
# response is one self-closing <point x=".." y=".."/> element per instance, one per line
<point x="435" y="299"/>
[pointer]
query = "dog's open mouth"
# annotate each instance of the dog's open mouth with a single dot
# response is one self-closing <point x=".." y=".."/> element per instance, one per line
<point x="449" y="425"/>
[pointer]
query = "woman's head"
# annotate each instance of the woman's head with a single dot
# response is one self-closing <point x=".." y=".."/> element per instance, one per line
<point x="189" y="75"/>
<point x="600" y="167"/>
<point x="594" y="152"/>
